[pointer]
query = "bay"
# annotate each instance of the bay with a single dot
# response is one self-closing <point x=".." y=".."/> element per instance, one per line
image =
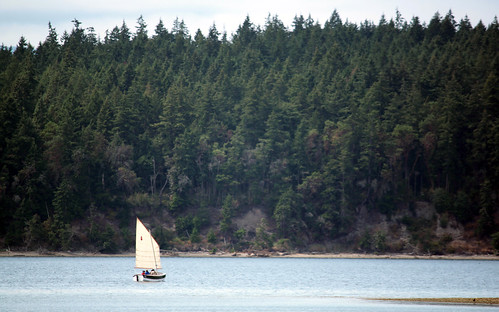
<point x="243" y="284"/>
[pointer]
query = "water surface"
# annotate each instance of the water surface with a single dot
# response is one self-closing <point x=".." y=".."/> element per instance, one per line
<point x="243" y="284"/>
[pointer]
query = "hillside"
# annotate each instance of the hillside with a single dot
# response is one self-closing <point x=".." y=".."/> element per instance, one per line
<point x="337" y="137"/>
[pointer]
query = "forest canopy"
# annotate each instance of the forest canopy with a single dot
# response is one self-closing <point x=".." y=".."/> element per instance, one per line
<point x="311" y="124"/>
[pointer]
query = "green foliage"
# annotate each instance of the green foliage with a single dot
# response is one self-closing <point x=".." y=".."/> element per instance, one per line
<point x="195" y="237"/>
<point x="184" y="226"/>
<point x="486" y="223"/>
<point x="376" y="242"/>
<point x="109" y="242"/>
<point x="176" y="203"/>
<point x="103" y="237"/>
<point x="379" y="242"/>
<point x="211" y="237"/>
<point x="286" y="214"/>
<point x="240" y="243"/>
<point x="311" y="123"/>
<point x="495" y="241"/>
<point x="386" y="205"/>
<point x="228" y="211"/>
<point x="284" y="245"/>
<point x="463" y="209"/>
<point x="58" y="234"/>
<point x="163" y="236"/>
<point x="365" y="241"/>
<point x="263" y="238"/>
<point x="442" y="200"/>
<point x="423" y="235"/>
<point x="34" y="234"/>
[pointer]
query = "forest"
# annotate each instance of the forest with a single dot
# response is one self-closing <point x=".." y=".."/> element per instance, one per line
<point x="310" y="125"/>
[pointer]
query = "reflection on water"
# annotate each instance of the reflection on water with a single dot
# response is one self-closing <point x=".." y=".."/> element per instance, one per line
<point x="242" y="284"/>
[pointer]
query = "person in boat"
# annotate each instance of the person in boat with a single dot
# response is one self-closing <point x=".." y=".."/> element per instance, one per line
<point x="143" y="273"/>
<point x="147" y="272"/>
<point x="153" y="272"/>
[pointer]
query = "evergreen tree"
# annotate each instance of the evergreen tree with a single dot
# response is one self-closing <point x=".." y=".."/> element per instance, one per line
<point x="313" y="125"/>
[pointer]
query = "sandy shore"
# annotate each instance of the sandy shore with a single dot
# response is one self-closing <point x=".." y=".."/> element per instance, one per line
<point x="478" y="301"/>
<point x="5" y="253"/>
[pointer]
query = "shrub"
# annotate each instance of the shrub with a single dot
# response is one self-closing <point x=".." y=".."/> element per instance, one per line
<point x="184" y="226"/>
<point x="495" y="241"/>
<point x="365" y="241"/>
<point x="195" y="237"/>
<point x="379" y="242"/>
<point x="462" y="207"/>
<point x="442" y="200"/>
<point x="211" y="237"/>
<point x="283" y="244"/>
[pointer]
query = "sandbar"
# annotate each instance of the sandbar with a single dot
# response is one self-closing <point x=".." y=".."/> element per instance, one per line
<point x="478" y="301"/>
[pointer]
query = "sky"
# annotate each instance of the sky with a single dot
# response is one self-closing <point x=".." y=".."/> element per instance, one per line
<point x="30" y="18"/>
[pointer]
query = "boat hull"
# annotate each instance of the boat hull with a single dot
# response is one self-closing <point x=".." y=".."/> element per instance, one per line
<point x="159" y="277"/>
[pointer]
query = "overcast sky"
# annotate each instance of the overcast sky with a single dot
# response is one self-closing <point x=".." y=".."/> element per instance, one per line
<point x="30" y="18"/>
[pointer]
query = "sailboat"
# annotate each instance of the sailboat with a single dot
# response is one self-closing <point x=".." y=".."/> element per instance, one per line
<point x="147" y="256"/>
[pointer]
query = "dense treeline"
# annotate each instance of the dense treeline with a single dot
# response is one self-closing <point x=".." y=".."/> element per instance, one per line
<point x="311" y="124"/>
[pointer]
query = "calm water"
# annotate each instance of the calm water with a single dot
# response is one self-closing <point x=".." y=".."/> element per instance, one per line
<point x="242" y="284"/>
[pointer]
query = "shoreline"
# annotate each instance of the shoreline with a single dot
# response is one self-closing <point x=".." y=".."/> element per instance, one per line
<point x="206" y="254"/>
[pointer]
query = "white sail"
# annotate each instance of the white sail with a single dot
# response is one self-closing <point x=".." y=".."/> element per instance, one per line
<point x="146" y="249"/>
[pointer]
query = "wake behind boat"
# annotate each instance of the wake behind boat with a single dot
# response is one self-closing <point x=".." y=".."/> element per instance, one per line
<point x="147" y="256"/>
